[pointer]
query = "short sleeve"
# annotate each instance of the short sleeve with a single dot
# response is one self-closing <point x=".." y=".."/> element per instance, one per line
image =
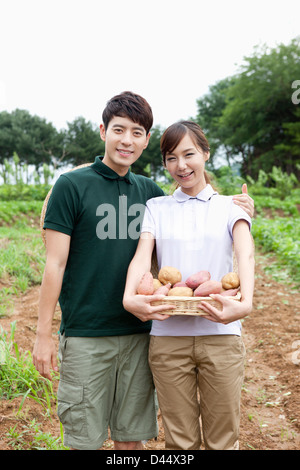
<point x="237" y="213"/>
<point x="148" y="224"/>
<point x="62" y="207"/>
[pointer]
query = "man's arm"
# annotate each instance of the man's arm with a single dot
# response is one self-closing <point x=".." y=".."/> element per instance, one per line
<point x="44" y="352"/>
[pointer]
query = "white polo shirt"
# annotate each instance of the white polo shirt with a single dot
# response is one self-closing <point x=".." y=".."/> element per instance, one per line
<point x="193" y="234"/>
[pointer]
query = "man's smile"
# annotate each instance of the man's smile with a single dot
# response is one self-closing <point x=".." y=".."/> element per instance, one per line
<point x="125" y="153"/>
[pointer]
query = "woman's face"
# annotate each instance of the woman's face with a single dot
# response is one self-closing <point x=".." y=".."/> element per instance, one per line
<point x="186" y="165"/>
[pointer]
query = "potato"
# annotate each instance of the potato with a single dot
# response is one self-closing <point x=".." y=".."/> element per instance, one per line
<point x="156" y="284"/>
<point x="145" y="286"/>
<point x="163" y="290"/>
<point x="181" y="291"/>
<point x="230" y="281"/>
<point x="169" y="274"/>
<point x="207" y="288"/>
<point x="198" y="278"/>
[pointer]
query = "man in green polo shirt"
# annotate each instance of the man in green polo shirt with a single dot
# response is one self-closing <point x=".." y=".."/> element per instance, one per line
<point x="92" y="227"/>
<point x="92" y="224"/>
<point x="103" y="241"/>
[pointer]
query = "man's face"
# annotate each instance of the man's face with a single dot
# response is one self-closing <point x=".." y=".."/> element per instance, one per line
<point x="125" y="141"/>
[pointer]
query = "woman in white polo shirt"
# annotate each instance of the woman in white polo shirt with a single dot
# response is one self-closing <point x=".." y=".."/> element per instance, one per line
<point x="193" y="230"/>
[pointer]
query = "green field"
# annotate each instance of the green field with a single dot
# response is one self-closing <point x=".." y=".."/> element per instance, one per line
<point x="276" y="232"/>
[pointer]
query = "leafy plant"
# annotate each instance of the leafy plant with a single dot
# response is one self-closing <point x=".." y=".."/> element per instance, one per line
<point x="18" y="376"/>
<point x="31" y="437"/>
<point x="281" y="237"/>
<point x="24" y="192"/>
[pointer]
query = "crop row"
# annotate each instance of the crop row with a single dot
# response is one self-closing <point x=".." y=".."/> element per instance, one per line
<point x="280" y="236"/>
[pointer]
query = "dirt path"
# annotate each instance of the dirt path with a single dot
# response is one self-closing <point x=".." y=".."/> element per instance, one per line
<point x="270" y="399"/>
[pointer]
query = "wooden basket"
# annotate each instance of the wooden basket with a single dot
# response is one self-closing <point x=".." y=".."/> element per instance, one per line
<point x="190" y="305"/>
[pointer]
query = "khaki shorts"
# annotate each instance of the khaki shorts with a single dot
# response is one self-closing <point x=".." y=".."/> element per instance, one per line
<point x="105" y="383"/>
<point x="199" y="377"/>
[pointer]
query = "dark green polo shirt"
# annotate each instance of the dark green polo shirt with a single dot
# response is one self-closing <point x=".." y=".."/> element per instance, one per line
<point x="102" y="212"/>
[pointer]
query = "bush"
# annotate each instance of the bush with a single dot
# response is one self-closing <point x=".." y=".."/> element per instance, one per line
<point x="24" y="192"/>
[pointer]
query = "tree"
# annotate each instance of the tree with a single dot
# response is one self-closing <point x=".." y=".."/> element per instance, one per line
<point x="257" y="119"/>
<point x="6" y="137"/>
<point x="82" y="142"/>
<point x="290" y="145"/>
<point x="210" y="109"/>
<point x="150" y="162"/>
<point x="38" y="143"/>
<point x="34" y="139"/>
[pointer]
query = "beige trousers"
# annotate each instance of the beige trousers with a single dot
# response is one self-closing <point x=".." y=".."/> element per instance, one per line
<point x="198" y="382"/>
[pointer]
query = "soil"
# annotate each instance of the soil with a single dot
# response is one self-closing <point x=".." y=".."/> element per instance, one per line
<point x="270" y="406"/>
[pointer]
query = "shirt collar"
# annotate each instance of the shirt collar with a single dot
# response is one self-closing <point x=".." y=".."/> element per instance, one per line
<point x="204" y="195"/>
<point x="99" y="167"/>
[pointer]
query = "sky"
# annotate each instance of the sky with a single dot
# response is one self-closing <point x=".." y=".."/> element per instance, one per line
<point x="61" y="59"/>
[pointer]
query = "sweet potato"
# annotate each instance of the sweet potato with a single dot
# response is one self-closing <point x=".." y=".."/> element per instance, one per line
<point x="163" y="290"/>
<point x="207" y="288"/>
<point x="230" y="292"/>
<point x="181" y="291"/>
<point x="145" y="286"/>
<point x="198" y="278"/>
<point x="230" y="281"/>
<point x="169" y="274"/>
<point x="180" y="284"/>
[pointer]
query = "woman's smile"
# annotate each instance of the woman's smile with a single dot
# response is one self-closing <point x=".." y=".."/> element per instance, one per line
<point x="186" y="176"/>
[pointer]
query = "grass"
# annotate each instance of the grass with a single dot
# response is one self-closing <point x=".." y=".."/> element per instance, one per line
<point x="23" y="256"/>
<point x="279" y="238"/>
<point x="18" y="376"/>
<point x="20" y="213"/>
<point x="33" y="438"/>
<point x="288" y="207"/>
<point x="22" y="253"/>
